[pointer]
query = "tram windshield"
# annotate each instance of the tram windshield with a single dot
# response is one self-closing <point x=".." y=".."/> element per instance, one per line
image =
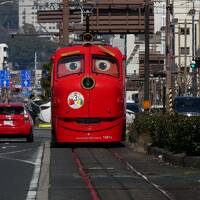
<point x="105" y="65"/>
<point x="70" y="65"/>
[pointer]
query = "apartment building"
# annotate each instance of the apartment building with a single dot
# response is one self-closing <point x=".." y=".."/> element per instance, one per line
<point x="28" y="14"/>
<point x="187" y="31"/>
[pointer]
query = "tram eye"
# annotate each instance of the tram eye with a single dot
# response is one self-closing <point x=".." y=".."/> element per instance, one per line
<point x="103" y="65"/>
<point x="73" y="66"/>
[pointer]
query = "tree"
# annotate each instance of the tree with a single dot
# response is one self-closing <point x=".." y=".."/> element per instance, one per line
<point x="23" y="45"/>
<point x="46" y="80"/>
<point x="9" y="15"/>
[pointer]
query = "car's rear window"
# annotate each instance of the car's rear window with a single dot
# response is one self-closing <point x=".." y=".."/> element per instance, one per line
<point x="186" y="104"/>
<point x="11" y="110"/>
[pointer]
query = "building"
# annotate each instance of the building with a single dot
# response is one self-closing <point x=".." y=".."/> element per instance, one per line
<point x="187" y="38"/>
<point x="28" y="14"/>
<point x="186" y="17"/>
<point x="135" y="53"/>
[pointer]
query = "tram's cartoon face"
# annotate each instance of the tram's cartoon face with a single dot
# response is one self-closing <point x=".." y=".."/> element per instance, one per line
<point x="75" y="64"/>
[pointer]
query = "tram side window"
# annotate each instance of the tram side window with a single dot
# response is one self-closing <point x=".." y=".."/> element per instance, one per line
<point x="105" y="65"/>
<point x="70" y="65"/>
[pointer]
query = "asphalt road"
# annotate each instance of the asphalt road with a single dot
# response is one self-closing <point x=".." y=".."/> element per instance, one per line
<point x="20" y="164"/>
<point x="32" y="171"/>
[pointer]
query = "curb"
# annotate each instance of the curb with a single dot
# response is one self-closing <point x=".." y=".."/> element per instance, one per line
<point x="176" y="159"/>
<point x="43" y="186"/>
<point x="44" y="125"/>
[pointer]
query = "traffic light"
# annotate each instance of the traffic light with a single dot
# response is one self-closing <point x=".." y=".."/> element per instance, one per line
<point x="193" y="64"/>
<point x="197" y="61"/>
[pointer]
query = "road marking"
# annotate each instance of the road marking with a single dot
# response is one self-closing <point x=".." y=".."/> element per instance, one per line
<point x="13" y="152"/>
<point x="25" y="161"/>
<point x="8" y="147"/>
<point x="32" y="192"/>
<point x="101" y="168"/>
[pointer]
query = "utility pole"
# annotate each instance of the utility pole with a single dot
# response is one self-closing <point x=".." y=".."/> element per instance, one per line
<point x="146" y="103"/>
<point x="65" y="24"/>
<point x="87" y="19"/>
<point x="194" y="74"/>
<point x="185" y="67"/>
<point x="199" y="32"/>
<point x="35" y="63"/>
<point x="168" y="58"/>
<point x="198" y="71"/>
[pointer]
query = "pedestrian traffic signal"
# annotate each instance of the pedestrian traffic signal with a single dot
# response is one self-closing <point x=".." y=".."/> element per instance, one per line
<point x="193" y="64"/>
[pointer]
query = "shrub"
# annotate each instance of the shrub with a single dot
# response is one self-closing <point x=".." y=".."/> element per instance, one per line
<point x="177" y="133"/>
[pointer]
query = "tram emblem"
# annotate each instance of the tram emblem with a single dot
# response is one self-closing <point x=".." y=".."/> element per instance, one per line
<point x="75" y="100"/>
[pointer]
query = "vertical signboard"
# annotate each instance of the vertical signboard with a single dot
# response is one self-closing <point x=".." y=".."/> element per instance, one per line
<point x="25" y="77"/>
<point x="4" y="78"/>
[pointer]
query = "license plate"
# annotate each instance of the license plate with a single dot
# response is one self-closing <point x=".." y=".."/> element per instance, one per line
<point x="8" y="122"/>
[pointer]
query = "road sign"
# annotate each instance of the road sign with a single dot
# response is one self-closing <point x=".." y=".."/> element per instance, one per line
<point x="25" y="83"/>
<point x="5" y="83"/>
<point x="25" y="74"/>
<point x="4" y="74"/>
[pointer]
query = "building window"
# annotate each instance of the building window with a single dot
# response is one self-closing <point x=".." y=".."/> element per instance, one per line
<point x="183" y="31"/>
<point x="184" y="50"/>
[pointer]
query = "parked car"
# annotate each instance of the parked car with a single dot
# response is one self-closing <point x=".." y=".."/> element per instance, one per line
<point x="15" y="121"/>
<point x="132" y="109"/>
<point x="45" y="112"/>
<point x="187" y="105"/>
<point x="156" y="108"/>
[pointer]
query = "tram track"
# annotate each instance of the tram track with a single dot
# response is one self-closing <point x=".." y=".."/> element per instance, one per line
<point x="140" y="174"/>
<point x="121" y="176"/>
<point x="84" y="175"/>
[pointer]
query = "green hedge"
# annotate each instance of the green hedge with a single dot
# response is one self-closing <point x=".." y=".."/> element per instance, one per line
<point x="176" y="133"/>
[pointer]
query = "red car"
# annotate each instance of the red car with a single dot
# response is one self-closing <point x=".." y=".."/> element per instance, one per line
<point x="15" y="121"/>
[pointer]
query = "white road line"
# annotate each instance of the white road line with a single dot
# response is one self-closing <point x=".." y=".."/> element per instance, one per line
<point x="20" y="160"/>
<point x="5" y="147"/>
<point x="31" y="195"/>
<point x="13" y="152"/>
<point x="101" y="168"/>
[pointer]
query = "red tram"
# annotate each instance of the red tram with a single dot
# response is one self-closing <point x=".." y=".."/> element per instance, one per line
<point x="88" y="94"/>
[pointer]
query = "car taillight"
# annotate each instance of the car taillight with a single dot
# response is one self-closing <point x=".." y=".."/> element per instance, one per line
<point x="26" y="118"/>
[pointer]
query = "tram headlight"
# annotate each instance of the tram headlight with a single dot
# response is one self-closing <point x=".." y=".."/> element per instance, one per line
<point x="88" y="83"/>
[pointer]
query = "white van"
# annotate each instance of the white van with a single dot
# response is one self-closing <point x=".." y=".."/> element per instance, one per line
<point x="131" y="110"/>
<point x="45" y="112"/>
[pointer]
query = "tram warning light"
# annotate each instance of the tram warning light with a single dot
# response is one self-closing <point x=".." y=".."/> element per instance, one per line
<point x="87" y="37"/>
